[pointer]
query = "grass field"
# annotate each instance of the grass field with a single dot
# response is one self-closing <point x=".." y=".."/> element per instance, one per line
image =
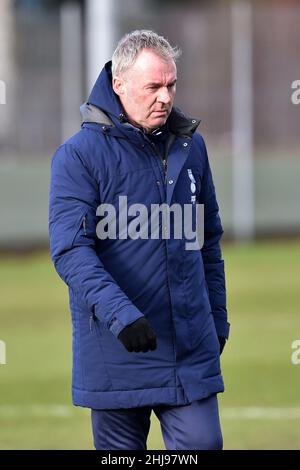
<point x="261" y="406"/>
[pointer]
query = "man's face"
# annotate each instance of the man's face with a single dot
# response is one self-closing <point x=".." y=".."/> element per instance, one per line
<point x="147" y="90"/>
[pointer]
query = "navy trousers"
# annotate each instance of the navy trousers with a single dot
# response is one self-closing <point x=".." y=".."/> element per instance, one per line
<point x="190" y="427"/>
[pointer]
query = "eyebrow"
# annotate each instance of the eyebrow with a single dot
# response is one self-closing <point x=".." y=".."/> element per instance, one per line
<point x="160" y="84"/>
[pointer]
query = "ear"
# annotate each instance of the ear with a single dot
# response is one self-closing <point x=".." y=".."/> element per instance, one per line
<point x="118" y="85"/>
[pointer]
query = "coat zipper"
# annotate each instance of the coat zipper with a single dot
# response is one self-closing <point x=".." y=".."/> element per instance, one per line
<point x="163" y="160"/>
<point x="164" y="168"/>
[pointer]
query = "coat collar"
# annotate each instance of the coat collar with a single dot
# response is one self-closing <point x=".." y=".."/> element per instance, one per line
<point x="178" y="123"/>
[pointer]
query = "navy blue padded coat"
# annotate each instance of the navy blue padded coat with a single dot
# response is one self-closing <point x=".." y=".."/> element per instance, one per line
<point x="113" y="282"/>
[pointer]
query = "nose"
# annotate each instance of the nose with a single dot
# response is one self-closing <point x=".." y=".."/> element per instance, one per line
<point x="164" y="95"/>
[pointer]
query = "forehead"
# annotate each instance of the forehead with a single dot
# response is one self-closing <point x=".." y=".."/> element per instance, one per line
<point x="151" y="67"/>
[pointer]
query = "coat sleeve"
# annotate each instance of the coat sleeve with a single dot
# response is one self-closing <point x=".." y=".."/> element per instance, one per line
<point x="74" y="198"/>
<point x="211" y="251"/>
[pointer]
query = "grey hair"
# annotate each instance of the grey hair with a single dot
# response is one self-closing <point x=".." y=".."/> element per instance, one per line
<point x="132" y="43"/>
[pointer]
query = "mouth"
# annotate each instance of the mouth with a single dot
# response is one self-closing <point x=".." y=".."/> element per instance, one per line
<point x="162" y="113"/>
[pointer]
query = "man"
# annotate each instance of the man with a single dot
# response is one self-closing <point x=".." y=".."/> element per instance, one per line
<point x="149" y="316"/>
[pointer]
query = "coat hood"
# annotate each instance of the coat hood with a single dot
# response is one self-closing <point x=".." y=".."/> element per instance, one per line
<point x="103" y="96"/>
<point x="104" y="107"/>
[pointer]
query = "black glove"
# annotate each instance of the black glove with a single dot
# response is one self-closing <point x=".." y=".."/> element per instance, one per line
<point x="138" y="336"/>
<point x="222" y="342"/>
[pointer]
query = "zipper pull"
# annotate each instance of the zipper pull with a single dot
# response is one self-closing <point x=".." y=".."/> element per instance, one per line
<point x="165" y="170"/>
<point x="84" y="225"/>
<point x="91" y="322"/>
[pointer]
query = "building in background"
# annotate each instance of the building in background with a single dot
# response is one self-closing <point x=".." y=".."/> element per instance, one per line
<point x="46" y="60"/>
<point x="7" y="69"/>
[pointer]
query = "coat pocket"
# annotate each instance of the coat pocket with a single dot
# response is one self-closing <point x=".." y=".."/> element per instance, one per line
<point x="96" y="331"/>
<point x="90" y="367"/>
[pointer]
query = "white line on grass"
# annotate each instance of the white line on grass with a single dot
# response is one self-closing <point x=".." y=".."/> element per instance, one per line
<point x="259" y="412"/>
<point x="39" y="411"/>
<point x="68" y="411"/>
